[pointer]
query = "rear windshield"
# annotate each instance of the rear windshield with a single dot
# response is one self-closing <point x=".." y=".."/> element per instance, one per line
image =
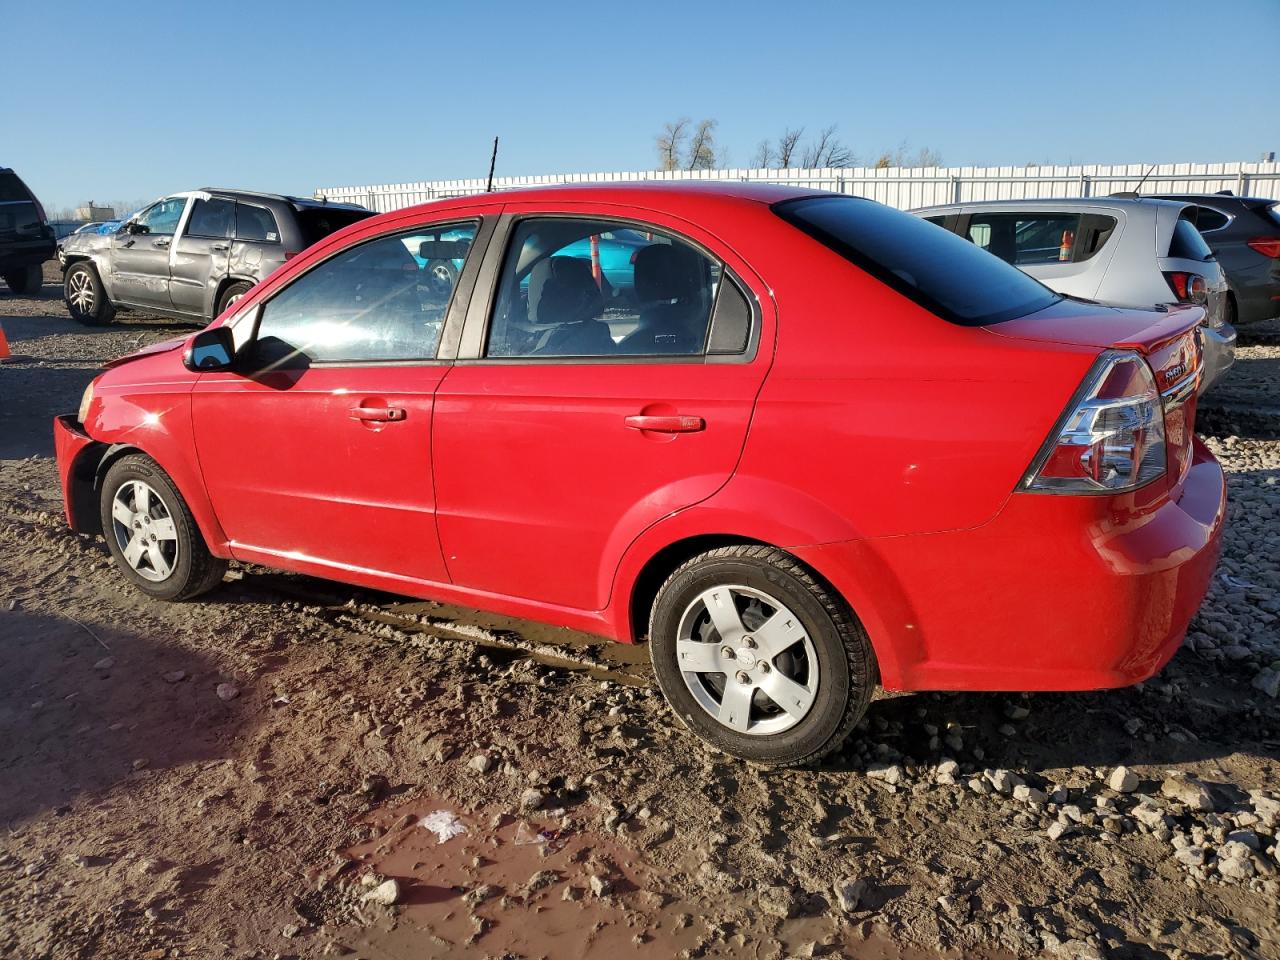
<point x="11" y="188"/>
<point x="1187" y="244"/>
<point x="937" y="269"/>
<point x="19" y="219"/>
<point x="316" y="223"/>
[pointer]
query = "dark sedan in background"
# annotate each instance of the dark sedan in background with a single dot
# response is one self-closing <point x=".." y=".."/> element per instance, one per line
<point x="1244" y="234"/>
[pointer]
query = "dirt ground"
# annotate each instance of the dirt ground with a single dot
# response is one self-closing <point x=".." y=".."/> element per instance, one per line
<point x="257" y="774"/>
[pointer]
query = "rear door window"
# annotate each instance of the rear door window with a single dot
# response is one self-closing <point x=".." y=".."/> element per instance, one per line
<point x="592" y="288"/>
<point x="381" y="300"/>
<point x="256" y="223"/>
<point x="213" y="218"/>
<point x="1187" y="244"/>
<point x="1029" y="239"/>
<point x="941" y="271"/>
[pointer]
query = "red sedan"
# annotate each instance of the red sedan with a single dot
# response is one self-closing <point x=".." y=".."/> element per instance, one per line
<point x="821" y="445"/>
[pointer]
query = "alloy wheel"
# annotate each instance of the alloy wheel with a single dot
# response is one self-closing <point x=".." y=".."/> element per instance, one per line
<point x="144" y="530"/>
<point x="81" y="293"/>
<point x="747" y="660"/>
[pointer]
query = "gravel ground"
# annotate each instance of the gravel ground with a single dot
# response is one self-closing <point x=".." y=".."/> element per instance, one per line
<point x="246" y="776"/>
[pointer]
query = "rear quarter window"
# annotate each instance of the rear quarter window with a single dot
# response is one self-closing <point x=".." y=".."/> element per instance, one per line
<point x="316" y="223"/>
<point x="942" y="272"/>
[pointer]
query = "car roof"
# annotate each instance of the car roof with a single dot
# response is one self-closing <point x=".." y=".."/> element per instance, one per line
<point x="645" y="192"/>
<point x="297" y="202"/>
<point x="1209" y="199"/>
<point x="1144" y="205"/>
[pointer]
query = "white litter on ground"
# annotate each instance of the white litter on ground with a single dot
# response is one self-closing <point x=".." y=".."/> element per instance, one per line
<point x="444" y="824"/>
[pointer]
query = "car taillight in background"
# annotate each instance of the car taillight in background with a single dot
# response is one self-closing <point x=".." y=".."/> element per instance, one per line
<point x="1188" y="287"/>
<point x="1267" y="246"/>
<point x="1113" y="436"/>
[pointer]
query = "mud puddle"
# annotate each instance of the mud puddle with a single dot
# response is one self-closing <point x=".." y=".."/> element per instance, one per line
<point x="526" y="887"/>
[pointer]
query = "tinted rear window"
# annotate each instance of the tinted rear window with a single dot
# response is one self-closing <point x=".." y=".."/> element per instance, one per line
<point x="11" y="188"/>
<point x="1187" y="244"/>
<point x="937" y="269"/>
<point x="316" y="223"/>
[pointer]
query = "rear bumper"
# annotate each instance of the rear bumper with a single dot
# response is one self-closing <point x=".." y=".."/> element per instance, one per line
<point x="69" y="441"/>
<point x="1055" y="593"/>
<point x="1219" y="345"/>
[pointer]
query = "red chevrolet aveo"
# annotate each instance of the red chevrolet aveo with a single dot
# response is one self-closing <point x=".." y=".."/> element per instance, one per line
<point x="801" y="442"/>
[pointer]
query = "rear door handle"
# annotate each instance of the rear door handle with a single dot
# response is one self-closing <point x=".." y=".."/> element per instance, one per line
<point x="670" y="424"/>
<point x="219" y="247"/>
<point x="379" y="414"/>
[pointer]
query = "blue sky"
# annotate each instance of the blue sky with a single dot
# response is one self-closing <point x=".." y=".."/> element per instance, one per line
<point x="134" y="100"/>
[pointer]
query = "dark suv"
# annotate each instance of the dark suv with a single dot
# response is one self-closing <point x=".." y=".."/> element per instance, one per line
<point x="26" y="239"/>
<point x="1244" y="233"/>
<point x="192" y="254"/>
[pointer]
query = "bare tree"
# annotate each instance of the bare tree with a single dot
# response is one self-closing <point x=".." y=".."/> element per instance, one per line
<point x="702" y="147"/>
<point x="827" y="151"/>
<point x="670" y="143"/>
<point x="924" y="157"/>
<point x="764" y="155"/>
<point x="928" y="158"/>
<point x="787" y="145"/>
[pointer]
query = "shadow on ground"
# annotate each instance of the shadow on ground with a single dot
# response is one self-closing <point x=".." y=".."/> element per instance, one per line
<point x="76" y="717"/>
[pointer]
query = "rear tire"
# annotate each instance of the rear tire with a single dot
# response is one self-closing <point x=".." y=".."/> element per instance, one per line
<point x="26" y="281"/>
<point x="231" y="295"/>
<point x="85" y="297"/>
<point x="152" y="536"/>
<point x="759" y="658"/>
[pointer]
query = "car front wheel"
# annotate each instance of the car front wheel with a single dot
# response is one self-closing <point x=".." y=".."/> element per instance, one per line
<point x="151" y="534"/>
<point x="758" y="657"/>
<point x="85" y="297"/>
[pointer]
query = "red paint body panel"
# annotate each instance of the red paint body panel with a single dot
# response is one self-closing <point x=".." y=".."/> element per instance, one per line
<point x="69" y="441"/>
<point x="874" y="440"/>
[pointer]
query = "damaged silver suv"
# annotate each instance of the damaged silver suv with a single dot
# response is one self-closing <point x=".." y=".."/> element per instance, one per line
<point x="192" y="254"/>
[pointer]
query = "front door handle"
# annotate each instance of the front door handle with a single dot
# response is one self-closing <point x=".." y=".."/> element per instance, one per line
<point x="378" y="414"/>
<point x="665" y="424"/>
<point x="219" y="247"/>
<point x="162" y="243"/>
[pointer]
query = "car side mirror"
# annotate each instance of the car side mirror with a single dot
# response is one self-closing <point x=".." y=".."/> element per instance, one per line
<point x="212" y="349"/>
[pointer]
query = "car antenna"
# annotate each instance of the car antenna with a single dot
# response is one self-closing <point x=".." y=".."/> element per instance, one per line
<point x="493" y="159"/>
<point x="1134" y="192"/>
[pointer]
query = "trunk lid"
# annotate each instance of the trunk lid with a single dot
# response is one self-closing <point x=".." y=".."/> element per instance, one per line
<point x="1170" y="341"/>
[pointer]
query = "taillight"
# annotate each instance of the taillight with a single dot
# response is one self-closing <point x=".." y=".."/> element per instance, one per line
<point x="1112" y="437"/>
<point x="1188" y="287"/>
<point x="1267" y="246"/>
<point x="289" y="255"/>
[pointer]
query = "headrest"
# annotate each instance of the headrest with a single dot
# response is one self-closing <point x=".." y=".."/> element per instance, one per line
<point x="443" y="249"/>
<point x="667" y="271"/>
<point x="562" y="290"/>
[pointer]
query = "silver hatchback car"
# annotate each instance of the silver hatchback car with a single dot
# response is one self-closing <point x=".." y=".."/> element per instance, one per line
<point x="1124" y="251"/>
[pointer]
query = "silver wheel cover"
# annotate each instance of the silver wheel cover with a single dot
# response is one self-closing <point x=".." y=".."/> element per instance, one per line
<point x="747" y="660"/>
<point x="144" y="531"/>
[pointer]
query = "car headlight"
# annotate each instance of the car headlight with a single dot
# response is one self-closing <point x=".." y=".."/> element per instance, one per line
<point x="85" y="401"/>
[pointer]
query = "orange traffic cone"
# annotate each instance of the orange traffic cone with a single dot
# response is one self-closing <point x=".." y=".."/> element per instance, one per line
<point x="4" y="347"/>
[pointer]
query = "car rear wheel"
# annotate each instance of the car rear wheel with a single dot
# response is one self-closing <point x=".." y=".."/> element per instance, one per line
<point x="151" y="534"/>
<point x="28" y="280"/>
<point x="759" y="658"/>
<point x="231" y="295"/>
<point x="86" y="299"/>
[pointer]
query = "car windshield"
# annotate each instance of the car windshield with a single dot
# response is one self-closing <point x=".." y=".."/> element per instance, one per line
<point x="942" y="272"/>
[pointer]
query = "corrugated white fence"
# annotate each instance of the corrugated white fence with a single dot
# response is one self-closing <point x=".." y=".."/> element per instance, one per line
<point x="902" y="187"/>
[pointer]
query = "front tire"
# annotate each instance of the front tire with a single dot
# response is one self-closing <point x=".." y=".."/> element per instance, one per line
<point x="85" y="296"/>
<point x="758" y="657"/>
<point x="26" y="281"/>
<point x="151" y="533"/>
